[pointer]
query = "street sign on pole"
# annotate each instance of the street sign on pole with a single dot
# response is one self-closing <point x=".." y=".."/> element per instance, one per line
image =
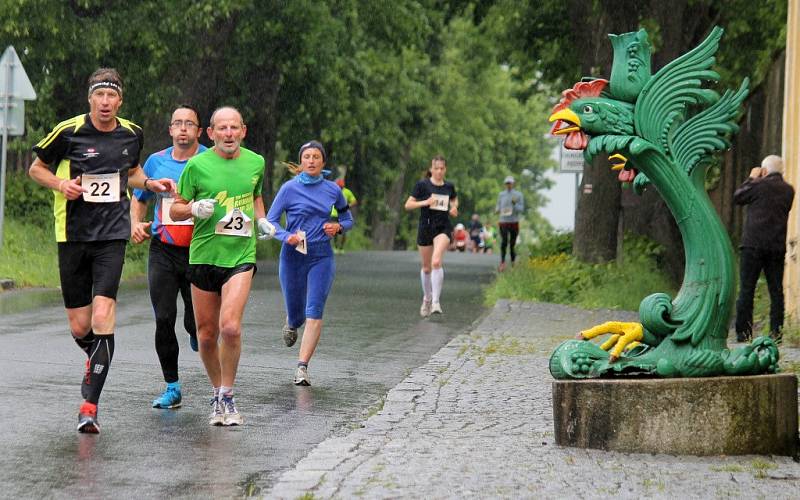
<point x="15" y="89"/>
<point x="14" y="81"/>
<point x="570" y="160"/>
<point x="15" y="116"/>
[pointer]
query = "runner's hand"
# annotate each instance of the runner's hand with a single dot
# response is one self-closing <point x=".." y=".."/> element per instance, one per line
<point x="293" y="240"/>
<point x="161" y="185"/>
<point x="331" y="228"/>
<point x="140" y="231"/>
<point x="265" y="229"/>
<point x="453" y="212"/>
<point x="71" y="188"/>
<point x="203" y="209"/>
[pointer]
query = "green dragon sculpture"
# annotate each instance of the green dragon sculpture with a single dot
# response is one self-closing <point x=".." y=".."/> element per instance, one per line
<point x="662" y="130"/>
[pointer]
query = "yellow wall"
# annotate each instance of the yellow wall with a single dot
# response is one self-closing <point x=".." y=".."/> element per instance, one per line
<point x="791" y="155"/>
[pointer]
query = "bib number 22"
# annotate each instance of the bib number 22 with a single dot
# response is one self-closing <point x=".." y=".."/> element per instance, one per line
<point x="101" y="188"/>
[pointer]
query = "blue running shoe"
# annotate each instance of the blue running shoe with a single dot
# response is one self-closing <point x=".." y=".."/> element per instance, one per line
<point x="170" y="398"/>
<point x="193" y="342"/>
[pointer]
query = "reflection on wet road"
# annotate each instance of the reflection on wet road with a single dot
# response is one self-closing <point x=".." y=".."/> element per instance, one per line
<point x="372" y="338"/>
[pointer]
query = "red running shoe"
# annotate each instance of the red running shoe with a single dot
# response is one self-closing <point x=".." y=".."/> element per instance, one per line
<point x="87" y="419"/>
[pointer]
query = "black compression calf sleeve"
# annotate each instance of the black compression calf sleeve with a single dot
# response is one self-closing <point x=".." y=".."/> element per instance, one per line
<point x="86" y="342"/>
<point x="99" y="361"/>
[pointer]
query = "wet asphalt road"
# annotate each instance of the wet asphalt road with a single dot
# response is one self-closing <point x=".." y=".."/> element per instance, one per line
<point x="372" y="338"/>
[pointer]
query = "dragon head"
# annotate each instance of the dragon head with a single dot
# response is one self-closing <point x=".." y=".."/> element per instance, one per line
<point x="582" y="112"/>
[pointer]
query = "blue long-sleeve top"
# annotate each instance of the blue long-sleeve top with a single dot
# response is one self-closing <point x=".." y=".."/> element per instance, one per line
<point x="308" y="207"/>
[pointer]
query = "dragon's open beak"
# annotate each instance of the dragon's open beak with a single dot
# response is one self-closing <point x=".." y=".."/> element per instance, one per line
<point x="567" y="116"/>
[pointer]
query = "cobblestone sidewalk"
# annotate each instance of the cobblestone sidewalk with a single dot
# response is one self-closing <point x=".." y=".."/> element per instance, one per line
<point x="476" y="421"/>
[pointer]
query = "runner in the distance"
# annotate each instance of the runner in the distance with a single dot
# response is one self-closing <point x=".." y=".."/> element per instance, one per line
<point x="89" y="161"/>
<point x="510" y="206"/>
<point x="168" y="260"/>
<point x="225" y="184"/>
<point x="438" y="201"/>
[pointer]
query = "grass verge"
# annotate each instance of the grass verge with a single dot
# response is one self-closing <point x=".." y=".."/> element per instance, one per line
<point x="557" y="277"/>
<point x="30" y="256"/>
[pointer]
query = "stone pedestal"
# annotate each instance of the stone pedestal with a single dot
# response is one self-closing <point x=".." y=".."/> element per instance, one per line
<point x="697" y="416"/>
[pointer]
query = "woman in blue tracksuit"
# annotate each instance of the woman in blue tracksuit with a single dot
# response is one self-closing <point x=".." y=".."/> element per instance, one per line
<point x="307" y="268"/>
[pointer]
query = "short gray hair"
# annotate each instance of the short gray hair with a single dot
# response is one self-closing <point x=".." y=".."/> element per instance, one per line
<point x="225" y="108"/>
<point x="773" y="164"/>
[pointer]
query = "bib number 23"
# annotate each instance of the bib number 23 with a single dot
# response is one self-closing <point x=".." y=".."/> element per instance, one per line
<point x="235" y="223"/>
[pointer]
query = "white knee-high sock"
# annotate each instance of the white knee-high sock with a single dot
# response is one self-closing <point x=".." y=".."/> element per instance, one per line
<point x="426" y="284"/>
<point x="437" y="278"/>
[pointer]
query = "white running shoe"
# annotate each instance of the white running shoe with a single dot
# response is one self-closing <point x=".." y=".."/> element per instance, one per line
<point x="230" y="415"/>
<point x="436" y="308"/>
<point x="425" y="308"/>
<point x="301" y="376"/>
<point x="217" y="417"/>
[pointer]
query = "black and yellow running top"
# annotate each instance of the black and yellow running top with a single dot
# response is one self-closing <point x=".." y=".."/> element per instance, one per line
<point x="74" y="148"/>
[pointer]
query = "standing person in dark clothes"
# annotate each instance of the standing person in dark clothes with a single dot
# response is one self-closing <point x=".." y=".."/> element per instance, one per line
<point x="769" y="199"/>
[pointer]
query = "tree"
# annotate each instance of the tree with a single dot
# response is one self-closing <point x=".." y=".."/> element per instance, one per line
<point x="557" y="42"/>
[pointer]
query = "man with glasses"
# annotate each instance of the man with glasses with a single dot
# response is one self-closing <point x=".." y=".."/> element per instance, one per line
<point x="168" y="261"/>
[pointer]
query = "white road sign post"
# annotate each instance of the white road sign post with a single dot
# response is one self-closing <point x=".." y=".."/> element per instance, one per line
<point x="571" y="161"/>
<point x="15" y="89"/>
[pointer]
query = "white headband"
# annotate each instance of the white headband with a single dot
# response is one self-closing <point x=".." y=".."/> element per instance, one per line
<point x="105" y="84"/>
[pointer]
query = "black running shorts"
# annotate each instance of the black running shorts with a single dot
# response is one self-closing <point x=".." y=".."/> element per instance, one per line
<point x="427" y="232"/>
<point x="212" y="278"/>
<point x="88" y="269"/>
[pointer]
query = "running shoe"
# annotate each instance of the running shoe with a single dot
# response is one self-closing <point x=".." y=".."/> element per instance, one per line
<point x="230" y="415"/>
<point x="193" y="342"/>
<point x="87" y="419"/>
<point x="301" y="376"/>
<point x="170" y="398"/>
<point x="289" y="335"/>
<point x="425" y="308"/>
<point x="436" y="308"/>
<point x="217" y="417"/>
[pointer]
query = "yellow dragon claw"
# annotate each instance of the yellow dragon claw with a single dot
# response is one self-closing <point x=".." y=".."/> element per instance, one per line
<point x="618" y="161"/>
<point x="624" y="336"/>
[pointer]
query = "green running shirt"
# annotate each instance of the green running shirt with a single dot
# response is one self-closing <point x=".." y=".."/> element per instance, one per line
<point x="233" y="183"/>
